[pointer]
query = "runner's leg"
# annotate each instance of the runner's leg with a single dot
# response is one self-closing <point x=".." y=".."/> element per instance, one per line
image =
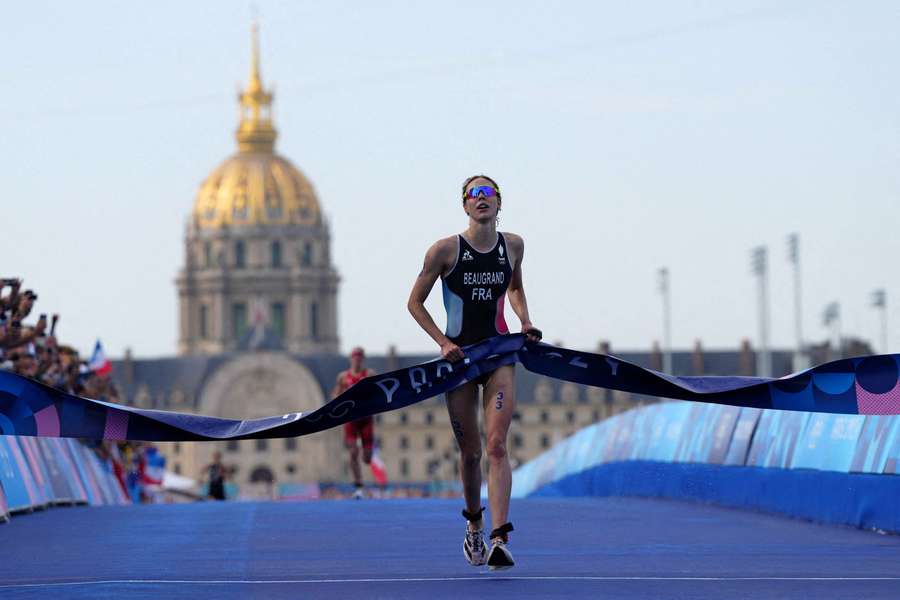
<point x="499" y="406"/>
<point x="462" y="405"/>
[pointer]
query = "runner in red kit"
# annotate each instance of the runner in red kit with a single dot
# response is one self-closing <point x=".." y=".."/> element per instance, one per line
<point x="363" y="429"/>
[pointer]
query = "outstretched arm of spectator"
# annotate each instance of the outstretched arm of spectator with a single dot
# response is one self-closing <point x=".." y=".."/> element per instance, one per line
<point x="34" y="332"/>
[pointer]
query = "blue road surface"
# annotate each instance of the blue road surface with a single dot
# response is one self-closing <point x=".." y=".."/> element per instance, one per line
<point x="565" y="548"/>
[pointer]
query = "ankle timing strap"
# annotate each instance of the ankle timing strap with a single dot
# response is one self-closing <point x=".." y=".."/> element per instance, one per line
<point x="473" y="517"/>
<point x="502" y="531"/>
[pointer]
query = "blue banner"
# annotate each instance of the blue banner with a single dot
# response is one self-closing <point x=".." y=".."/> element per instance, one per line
<point x="861" y="385"/>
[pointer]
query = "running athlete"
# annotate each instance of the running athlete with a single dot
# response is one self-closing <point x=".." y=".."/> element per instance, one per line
<point x="363" y="429"/>
<point x="478" y="269"/>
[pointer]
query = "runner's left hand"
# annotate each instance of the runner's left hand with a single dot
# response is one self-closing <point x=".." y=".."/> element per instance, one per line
<point x="532" y="333"/>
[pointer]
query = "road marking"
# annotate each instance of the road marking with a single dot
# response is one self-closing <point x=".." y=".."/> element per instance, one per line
<point x="429" y="579"/>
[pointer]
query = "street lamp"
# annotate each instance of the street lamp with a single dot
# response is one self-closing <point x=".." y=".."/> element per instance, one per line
<point x="831" y="317"/>
<point x="760" y="264"/>
<point x="667" y="319"/>
<point x="879" y="301"/>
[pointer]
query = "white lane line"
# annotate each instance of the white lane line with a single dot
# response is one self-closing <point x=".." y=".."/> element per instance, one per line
<point x="432" y="579"/>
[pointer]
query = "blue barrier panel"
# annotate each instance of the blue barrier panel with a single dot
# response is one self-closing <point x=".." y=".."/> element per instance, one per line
<point x="59" y="482"/>
<point x="60" y="449"/>
<point x="19" y="494"/>
<point x="28" y="447"/>
<point x="776" y="438"/>
<point x="744" y="430"/>
<point x="88" y="478"/>
<point x="692" y="429"/>
<point x="871" y="452"/>
<point x="672" y="416"/>
<point x="722" y="434"/>
<point x="828" y="443"/>
<point x="112" y="490"/>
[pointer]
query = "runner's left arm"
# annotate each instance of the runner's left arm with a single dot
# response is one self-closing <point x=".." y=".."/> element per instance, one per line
<point x="516" y="291"/>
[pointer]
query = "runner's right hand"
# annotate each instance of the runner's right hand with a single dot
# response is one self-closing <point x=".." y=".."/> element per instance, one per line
<point x="451" y="352"/>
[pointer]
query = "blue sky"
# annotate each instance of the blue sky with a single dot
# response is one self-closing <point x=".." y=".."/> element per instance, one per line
<point x="626" y="137"/>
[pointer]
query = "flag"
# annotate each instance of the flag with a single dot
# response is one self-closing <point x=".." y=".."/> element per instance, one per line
<point x="379" y="471"/>
<point x="99" y="364"/>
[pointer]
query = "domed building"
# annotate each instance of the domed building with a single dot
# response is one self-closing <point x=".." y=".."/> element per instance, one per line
<point x="257" y="248"/>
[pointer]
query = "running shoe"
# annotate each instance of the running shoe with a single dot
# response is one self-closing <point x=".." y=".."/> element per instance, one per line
<point x="474" y="548"/>
<point x="499" y="557"/>
<point x="358" y="494"/>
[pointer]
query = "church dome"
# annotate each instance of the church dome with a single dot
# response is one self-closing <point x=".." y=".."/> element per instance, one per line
<point x="256" y="186"/>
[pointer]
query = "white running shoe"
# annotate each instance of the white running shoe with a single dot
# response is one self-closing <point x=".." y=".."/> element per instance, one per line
<point x="474" y="548"/>
<point x="358" y="494"/>
<point x="499" y="557"/>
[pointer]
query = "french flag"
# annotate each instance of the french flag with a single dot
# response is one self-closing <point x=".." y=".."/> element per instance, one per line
<point x="99" y="364"/>
<point x="379" y="471"/>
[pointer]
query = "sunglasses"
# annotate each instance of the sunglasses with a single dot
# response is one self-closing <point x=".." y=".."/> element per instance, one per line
<point x="484" y="190"/>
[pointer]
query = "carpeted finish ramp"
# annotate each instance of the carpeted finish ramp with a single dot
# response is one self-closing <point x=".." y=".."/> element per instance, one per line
<point x="567" y="547"/>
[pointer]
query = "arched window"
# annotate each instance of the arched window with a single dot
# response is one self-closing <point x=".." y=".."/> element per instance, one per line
<point x="262" y="474"/>
<point x="306" y="257"/>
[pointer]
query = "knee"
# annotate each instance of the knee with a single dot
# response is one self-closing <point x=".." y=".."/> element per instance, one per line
<point x="354" y="452"/>
<point x="496" y="449"/>
<point x="471" y="458"/>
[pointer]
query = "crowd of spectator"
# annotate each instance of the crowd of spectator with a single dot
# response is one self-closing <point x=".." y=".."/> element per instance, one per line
<point x="34" y="351"/>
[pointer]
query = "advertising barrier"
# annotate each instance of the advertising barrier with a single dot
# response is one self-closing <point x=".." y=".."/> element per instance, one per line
<point x="828" y="467"/>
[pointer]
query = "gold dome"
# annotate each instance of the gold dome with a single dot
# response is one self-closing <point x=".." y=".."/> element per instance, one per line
<point x="256" y="186"/>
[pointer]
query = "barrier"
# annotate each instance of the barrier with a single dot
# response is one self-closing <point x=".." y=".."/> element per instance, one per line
<point x="4" y="506"/>
<point x="20" y="493"/>
<point x="36" y="473"/>
<point x="826" y="467"/>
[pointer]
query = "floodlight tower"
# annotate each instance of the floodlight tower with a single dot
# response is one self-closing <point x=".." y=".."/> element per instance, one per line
<point x="760" y="263"/>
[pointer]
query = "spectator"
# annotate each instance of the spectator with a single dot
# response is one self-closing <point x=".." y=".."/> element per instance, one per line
<point x="215" y="474"/>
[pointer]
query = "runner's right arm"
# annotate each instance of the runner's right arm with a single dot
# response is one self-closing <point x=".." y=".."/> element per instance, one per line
<point x="437" y="259"/>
